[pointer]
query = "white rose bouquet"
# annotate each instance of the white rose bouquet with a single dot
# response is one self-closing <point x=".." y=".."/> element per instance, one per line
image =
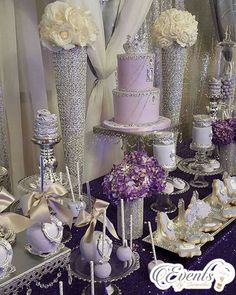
<point x="175" y="25"/>
<point x="65" y="25"/>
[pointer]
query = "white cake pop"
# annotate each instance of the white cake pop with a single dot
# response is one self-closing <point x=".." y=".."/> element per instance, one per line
<point x="153" y="263"/>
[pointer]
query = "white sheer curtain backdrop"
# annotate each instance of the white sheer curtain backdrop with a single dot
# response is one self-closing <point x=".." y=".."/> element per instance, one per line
<point x="99" y="155"/>
<point x="10" y="88"/>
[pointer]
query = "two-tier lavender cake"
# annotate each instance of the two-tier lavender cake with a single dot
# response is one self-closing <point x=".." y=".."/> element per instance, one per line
<point x="136" y="101"/>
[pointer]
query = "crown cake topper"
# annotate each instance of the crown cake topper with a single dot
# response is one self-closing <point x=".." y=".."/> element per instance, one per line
<point x="138" y="45"/>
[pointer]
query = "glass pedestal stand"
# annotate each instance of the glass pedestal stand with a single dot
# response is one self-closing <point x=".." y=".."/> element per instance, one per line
<point x="163" y="202"/>
<point x="81" y="270"/>
<point x="195" y="166"/>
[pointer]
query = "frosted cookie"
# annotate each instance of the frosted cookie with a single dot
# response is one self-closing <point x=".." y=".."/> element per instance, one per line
<point x="230" y="183"/>
<point x="169" y="189"/>
<point x="178" y="183"/>
<point x="220" y="191"/>
<point x="198" y="210"/>
<point x="167" y="227"/>
<point x="188" y="250"/>
<point x="229" y="212"/>
<point x="210" y="226"/>
<point x="214" y="163"/>
<point x="198" y="238"/>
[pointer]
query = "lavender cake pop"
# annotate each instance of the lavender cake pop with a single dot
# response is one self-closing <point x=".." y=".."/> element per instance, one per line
<point x="102" y="270"/>
<point x="124" y="253"/>
<point x="92" y="251"/>
<point x="45" y="237"/>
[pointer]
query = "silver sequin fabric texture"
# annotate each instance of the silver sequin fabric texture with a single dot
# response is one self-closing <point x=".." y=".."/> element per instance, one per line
<point x="227" y="158"/>
<point x="173" y="64"/>
<point x="3" y="133"/>
<point x="134" y="208"/>
<point x="70" y="70"/>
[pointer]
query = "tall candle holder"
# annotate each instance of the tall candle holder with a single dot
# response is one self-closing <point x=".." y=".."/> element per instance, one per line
<point x="46" y="136"/>
<point x="164" y="149"/>
<point x="201" y="166"/>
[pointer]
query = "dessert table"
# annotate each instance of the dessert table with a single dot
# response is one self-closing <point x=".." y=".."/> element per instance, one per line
<point x="224" y="246"/>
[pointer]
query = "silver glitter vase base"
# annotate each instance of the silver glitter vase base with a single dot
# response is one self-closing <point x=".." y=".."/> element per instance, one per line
<point x="227" y="155"/>
<point x="135" y="208"/>
<point x="173" y="64"/>
<point x="70" y="70"/>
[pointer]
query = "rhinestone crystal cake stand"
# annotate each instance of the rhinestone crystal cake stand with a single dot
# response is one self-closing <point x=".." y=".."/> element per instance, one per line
<point x="163" y="202"/>
<point x="81" y="270"/>
<point x="194" y="166"/>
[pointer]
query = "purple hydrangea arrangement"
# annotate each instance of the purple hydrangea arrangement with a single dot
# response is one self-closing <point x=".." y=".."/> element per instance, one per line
<point x="136" y="177"/>
<point x="224" y="131"/>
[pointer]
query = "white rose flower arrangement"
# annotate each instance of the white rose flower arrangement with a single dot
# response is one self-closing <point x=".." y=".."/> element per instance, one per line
<point x="175" y="25"/>
<point x="66" y="25"/>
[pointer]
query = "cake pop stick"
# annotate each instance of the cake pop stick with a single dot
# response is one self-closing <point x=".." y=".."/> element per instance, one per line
<point x="61" y="288"/>
<point x="79" y="183"/>
<point x="131" y="231"/>
<point x="152" y="240"/>
<point x="92" y="277"/>
<point x="104" y="232"/>
<point x="41" y="174"/>
<point x="61" y="177"/>
<point x="89" y="195"/>
<point x="70" y="184"/>
<point x="122" y="221"/>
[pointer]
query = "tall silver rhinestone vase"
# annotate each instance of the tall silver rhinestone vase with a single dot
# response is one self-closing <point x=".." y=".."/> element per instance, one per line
<point x="134" y="208"/>
<point x="70" y="70"/>
<point x="228" y="158"/>
<point x="173" y="64"/>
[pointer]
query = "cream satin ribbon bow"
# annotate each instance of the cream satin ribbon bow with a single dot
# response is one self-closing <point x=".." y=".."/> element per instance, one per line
<point x="36" y="205"/>
<point x="92" y="218"/>
<point x="12" y="221"/>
